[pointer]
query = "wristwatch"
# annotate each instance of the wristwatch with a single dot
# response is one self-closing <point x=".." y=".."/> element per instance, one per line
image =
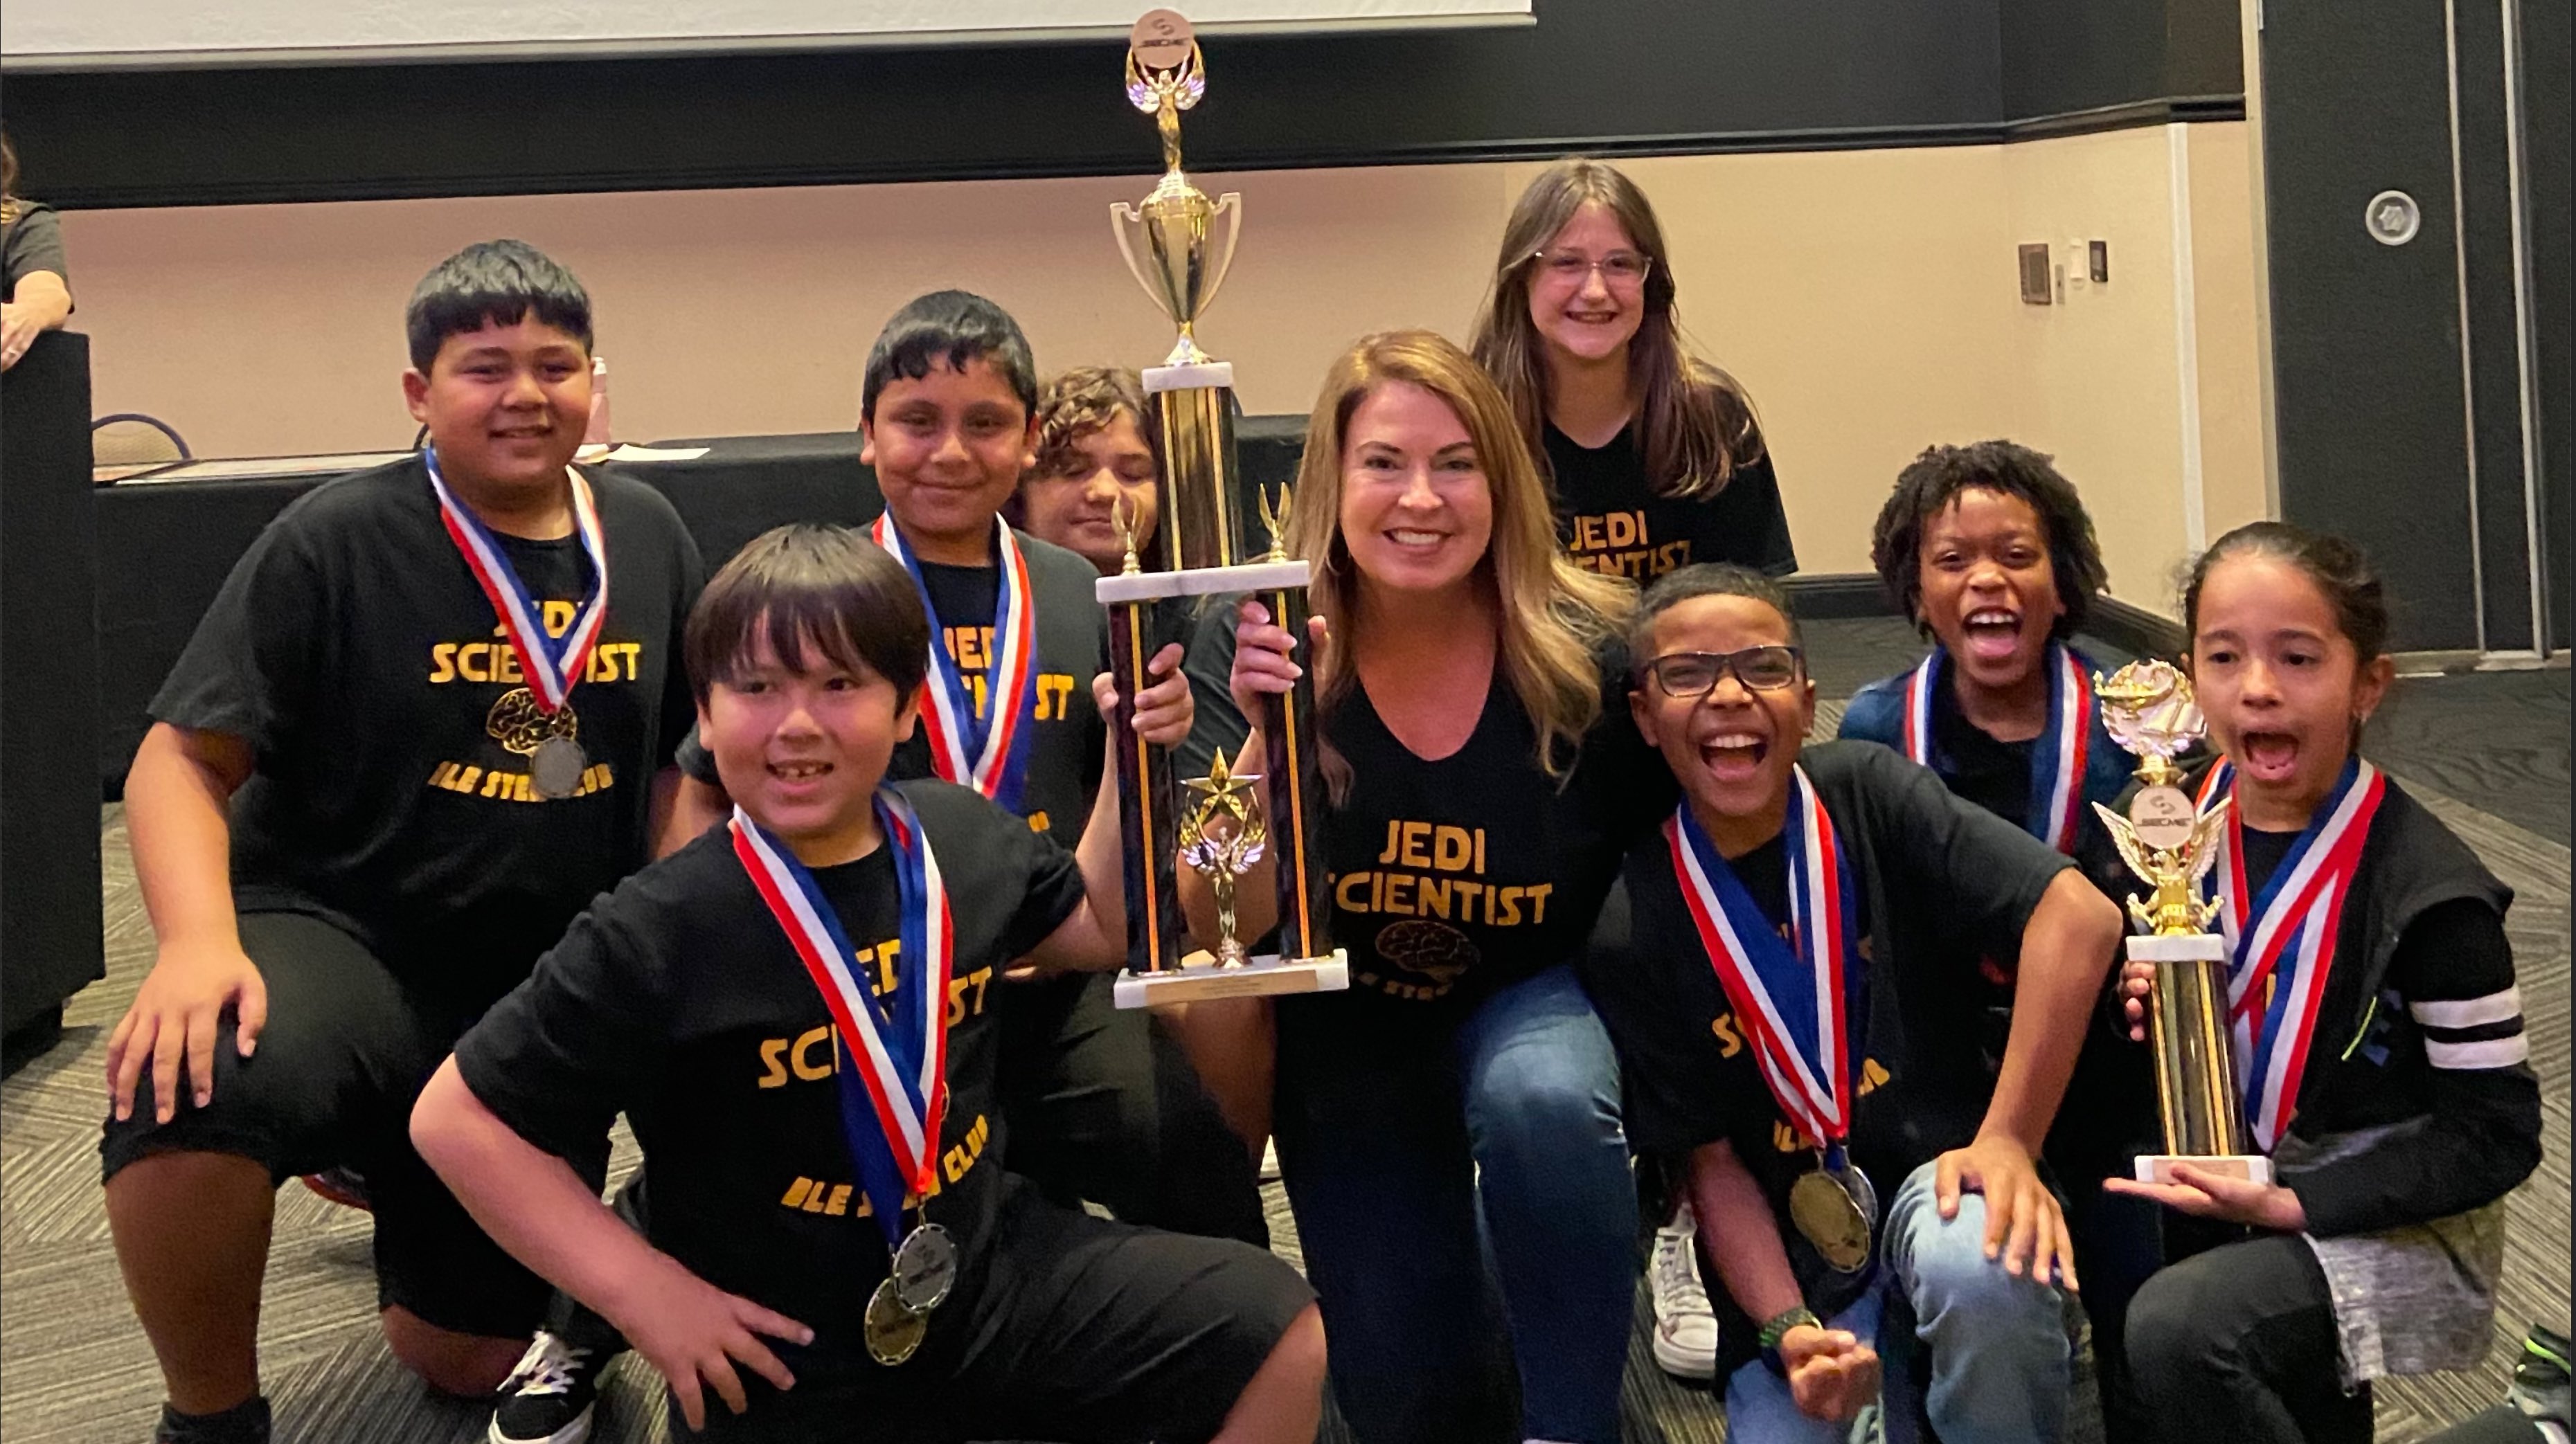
<point x="1781" y="1323"/>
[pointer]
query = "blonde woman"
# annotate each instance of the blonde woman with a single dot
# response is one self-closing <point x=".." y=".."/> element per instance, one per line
<point x="1481" y="793"/>
<point x="1655" y="455"/>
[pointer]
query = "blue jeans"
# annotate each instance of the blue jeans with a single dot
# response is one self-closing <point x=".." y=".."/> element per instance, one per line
<point x="1999" y="1366"/>
<point x="1411" y="1162"/>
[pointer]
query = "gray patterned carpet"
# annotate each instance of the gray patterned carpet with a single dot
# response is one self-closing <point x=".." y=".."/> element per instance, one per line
<point x="74" y="1368"/>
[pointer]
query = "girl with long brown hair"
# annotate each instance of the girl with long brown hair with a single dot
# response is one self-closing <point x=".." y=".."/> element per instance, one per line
<point x="1656" y="457"/>
<point x="1481" y="795"/>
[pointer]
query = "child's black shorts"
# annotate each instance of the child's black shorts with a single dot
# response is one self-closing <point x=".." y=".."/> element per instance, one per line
<point x="345" y="1054"/>
<point x="1084" y="1330"/>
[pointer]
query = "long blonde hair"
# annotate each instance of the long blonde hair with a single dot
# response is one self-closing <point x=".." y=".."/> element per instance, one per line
<point x="1695" y="423"/>
<point x="1551" y="617"/>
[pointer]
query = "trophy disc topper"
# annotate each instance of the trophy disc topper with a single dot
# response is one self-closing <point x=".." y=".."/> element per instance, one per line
<point x="1184" y="259"/>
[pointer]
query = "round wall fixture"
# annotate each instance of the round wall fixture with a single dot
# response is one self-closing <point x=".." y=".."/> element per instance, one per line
<point x="2392" y="218"/>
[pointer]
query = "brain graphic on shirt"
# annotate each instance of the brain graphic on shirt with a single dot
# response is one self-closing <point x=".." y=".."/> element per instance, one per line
<point x="519" y="724"/>
<point x="1424" y="946"/>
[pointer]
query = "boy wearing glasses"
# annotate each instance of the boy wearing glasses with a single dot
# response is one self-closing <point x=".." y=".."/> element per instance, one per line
<point x="1793" y="1016"/>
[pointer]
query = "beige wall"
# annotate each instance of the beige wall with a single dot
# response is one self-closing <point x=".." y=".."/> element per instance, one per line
<point x="1866" y="298"/>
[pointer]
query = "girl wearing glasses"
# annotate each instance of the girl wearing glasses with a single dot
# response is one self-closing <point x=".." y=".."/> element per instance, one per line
<point x="1989" y="551"/>
<point x="1793" y="1024"/>
<point x="1462" y="1093"/>
<point x="1655" y="455"/>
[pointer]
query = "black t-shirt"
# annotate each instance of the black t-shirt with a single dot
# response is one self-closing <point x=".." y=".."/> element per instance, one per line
<point x="1066" y="749"/>
<point x="1992" y="774"/>
<point x="389" y="723"/>
<point x="34" y="243"/>
<point x="1452" y="878"/>
<point x="1610" y="516"/>
<point x="1940" y="882"/>
<point x="679" y="1001"/>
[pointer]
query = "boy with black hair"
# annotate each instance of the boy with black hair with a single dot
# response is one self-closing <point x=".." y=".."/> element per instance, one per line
<point x="427" y="719"/>
<point x="1987" y="548"/>
<point x="1791" y="1014"/>
<point x="796" y="1013"/>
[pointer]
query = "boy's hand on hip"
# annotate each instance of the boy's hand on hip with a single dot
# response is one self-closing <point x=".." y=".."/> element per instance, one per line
<point x="694" y="1333"/>
<point x="2024" y="1225"/>
<point x="174" y="1021"/>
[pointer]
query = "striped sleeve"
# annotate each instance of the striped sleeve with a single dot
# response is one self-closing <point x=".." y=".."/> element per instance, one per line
<point x="2480" y="1032"/>
<point x="2455" y="972"/>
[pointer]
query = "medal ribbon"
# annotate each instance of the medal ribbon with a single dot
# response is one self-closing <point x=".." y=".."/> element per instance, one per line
<point x="893" y="1057"/>
<point x="1793" y="1004"/>
<point x="2057" y="755"/>
<point x="988" y="753"/>
<point x="551" y="665"/>
<point x="2281" y="939"/>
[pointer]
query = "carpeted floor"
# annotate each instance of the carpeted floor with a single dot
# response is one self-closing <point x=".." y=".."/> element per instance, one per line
<point x="2489" y="754"/>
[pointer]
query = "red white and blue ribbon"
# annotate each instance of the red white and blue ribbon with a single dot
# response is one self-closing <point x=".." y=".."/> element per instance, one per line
<point x="894" y="1053"/>
<point x="552" y="665"/>
<point x="1795" y="1004"/>
<point x="2281" y="938"/>
<point x="986" y="751"/>
<point x="2057" y="756"/>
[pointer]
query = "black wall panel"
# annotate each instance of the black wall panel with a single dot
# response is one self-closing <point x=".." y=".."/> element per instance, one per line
<point x="1612" y="76"/>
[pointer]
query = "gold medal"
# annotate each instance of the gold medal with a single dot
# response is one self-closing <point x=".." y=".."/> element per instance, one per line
<point x="1827" y="1211"/>
<point x="892" y="1331"/>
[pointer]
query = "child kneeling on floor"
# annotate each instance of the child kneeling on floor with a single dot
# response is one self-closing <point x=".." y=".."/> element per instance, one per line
<point x="794" y="1018"/>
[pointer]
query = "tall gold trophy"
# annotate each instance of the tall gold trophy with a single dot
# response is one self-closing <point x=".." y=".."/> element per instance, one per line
<point x="1172" y="247"/>
<point x="2147" y="708"/>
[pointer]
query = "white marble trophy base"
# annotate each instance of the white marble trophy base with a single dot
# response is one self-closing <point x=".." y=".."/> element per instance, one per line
<point x="2158" y="1167"/>
<point x="1202" y="582"/>
<point x="1159" y="379"/>
<point x="1198" y="979"/>
<point x="2178" y="948"/>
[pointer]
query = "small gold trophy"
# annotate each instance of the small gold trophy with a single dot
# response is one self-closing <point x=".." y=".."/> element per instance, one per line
<point x="2147" y="708"/>
<point x="1224" y="835"/>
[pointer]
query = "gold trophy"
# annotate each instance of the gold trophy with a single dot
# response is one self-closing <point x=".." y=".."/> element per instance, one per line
<point x="2147" y="708"/>
<point x="1180" y="263"/>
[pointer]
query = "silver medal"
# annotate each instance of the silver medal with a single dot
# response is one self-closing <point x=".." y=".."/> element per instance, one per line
<point x="925" y="1268"/>
<point x="555" y="769"/>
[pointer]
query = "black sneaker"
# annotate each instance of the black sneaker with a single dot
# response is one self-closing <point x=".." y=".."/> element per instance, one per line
<point x="2540" y="1376"/>
<point x="549" y="1397"/>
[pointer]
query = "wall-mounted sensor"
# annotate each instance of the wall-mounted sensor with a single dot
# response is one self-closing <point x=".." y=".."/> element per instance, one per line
<point x="2037" y="284"/>
<point x="2097" y="258"/>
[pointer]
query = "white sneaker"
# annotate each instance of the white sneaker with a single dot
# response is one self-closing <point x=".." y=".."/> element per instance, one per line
<point x="1685" y="1326"/>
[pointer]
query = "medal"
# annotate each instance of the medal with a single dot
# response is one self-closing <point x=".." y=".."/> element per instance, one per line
<point x="2281" y="940"/>
<point x="551" y="665"/>
<point x="893" y="1332"/>
<point x="924" y="1268"/>
<point x="893" y="1054"/>
<point x="988" y="752"/>
<point x="2057" y="755"/>
<point x="1833" y="1210"/>
<point x="1794" y="1002"/>
<point x="555" y="769"/>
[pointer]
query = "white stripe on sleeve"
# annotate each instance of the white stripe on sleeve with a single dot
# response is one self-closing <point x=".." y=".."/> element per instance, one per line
<point x="2469" y="1012"/>
<point x="2488" y="1053"/>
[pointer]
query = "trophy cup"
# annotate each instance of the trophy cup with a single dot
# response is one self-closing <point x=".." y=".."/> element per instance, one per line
<point x="1225" y="833"/>
<point x="2147" y="708"/>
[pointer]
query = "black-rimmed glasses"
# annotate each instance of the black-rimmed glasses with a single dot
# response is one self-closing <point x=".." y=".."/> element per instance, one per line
<point x="1694" y="674"/>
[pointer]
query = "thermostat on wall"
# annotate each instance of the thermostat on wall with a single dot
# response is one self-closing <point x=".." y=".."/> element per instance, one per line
<point x="2038" y="286"/>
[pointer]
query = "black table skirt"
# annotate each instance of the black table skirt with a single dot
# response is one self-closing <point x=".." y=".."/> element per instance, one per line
<point x="164" y="548"/>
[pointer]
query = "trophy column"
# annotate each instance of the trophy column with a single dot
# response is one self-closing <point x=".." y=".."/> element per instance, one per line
<point x="2147" y="708"/>
<point x="1221" y="829"/>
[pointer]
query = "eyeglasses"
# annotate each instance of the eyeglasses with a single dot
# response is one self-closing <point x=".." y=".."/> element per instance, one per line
<point x="1695" y="674"/>
<point x="1623" y="269"/>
